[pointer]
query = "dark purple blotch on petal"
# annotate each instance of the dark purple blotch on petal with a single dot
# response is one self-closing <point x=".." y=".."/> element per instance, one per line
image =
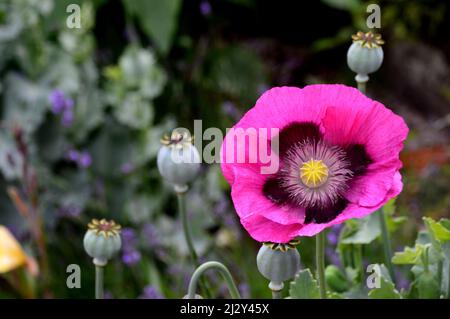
<point x="325" y="214"/>
<point x="296" y="133"/>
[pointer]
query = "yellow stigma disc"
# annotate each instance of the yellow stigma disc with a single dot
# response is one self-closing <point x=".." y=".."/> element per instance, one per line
<point x="314" y="173"/>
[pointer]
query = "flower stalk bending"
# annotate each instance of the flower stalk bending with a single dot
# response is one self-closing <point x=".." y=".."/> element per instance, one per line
<point x="234" y="292"/>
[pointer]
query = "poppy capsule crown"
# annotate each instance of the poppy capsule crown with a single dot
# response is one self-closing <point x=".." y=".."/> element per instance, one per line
<point x="178" y="160"/>
<point x="102" y="240"/>
<point x="365" y="55"/>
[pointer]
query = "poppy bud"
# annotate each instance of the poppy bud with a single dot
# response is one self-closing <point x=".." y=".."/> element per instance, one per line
<point x="365" y="55"/>
<point x="178" y="160"/>
<point x="335" y="279"/>
<point x="102" y="240"/>
<point x="278" y="263"/>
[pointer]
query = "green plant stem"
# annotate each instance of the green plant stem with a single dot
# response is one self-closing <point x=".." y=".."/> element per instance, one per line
<point x="99" y="272"/>
<point x="234" y="292"/>
<point x="358" y="259"/>
<point x="320" y="263"/>
<point x="276" y="294"/>
<point x="448" y="281"/>
<point x="386" y="243"/>
<point x="187" y="233"/>
<point x="362" y="86"/>
<point x="181" y="197"/>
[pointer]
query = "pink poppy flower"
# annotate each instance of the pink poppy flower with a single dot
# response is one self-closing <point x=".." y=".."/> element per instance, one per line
<point x="338" y="159"/>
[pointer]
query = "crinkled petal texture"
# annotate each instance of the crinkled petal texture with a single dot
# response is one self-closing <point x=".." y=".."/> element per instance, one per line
<point x="344" y="117"/>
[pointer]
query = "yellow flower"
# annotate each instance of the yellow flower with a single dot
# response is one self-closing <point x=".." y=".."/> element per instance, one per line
<point x="11" y="254"/>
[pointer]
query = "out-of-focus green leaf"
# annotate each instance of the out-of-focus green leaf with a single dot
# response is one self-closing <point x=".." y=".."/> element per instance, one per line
<point x="349" y="5"/>
<point x="438" y="229"/>
<point x="24" y="102"/>
<point x="135" y="111"/>
<point x="386" y="291"/>
<point x="368" y="230"/>
<point x="11" y="161"/>
<point x="410" y="256"/>
<point x="236" y="72"/>
<point x="304" y="286"/>
<point x="157" y="18"/>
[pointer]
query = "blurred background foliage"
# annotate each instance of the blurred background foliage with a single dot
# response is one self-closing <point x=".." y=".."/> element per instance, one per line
<point x="82" y="112"/>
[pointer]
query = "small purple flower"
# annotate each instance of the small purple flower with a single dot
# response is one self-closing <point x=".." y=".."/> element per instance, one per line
<point x="230" y="109"/>
<point x="205" y="8"/>
<point x="73" y="155"/>
<point x="85" y="159"/>
<point x="129" y="236"/>
<point x="333" y="235"/>
<point x="62" y="105"/>
<point x="151" y="235"/>
<point x="108" y="295"/>
<point x="244" y="289"/>
<point x="67" y="118"/>
<point x="126" y="168"/>
<point x="131" y="257"/>
<point x="69" y="211"/>
<point x="58" y="101"/>
<point x="150" y="292"/>
<point x="333" y="256"/>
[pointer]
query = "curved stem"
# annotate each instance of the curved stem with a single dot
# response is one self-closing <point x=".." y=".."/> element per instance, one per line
<point x="234" y="292"/>
<point x="181" y="198"/>
<point x="99" y="271"/>
<point x="386" y="243"/>
<point x="320" y="263"/>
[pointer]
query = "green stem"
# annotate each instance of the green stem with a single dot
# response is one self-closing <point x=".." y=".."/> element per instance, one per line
<point x="386" y="243"/>
<point x="320" y="263"/>
<point x="187" y="233"/>
<point x="362" y="87"/>
<point x="234" y="292"/>
<point x="361" y="81"/>
<point x="181" y="197"/>
<point x="358" y="259"/>
<point x="448" y="280"/>
<point x="99" y="271"/>
<point x="276" y="294"/>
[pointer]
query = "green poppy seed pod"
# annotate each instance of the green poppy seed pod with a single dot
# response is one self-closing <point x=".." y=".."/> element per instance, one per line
<point x="278" y="263"/>
<point x="102" y="240"/>
<point x="365" y="55"/>
<point x="178" y="159"/>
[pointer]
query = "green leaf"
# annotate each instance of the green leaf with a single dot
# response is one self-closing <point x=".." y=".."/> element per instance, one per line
<point x="367" y="230"/>
<point x="24" y="103"/>
<point x="386" y="291"/>
<point x="410" y="256"/>
<point x="304" y="286"/>
<point x="348" y="5"/>
<point x="438" y="229"/>
<point x="157" y="18"/>
<point x="135" y="111"/>
<point x="426" y="286"/>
